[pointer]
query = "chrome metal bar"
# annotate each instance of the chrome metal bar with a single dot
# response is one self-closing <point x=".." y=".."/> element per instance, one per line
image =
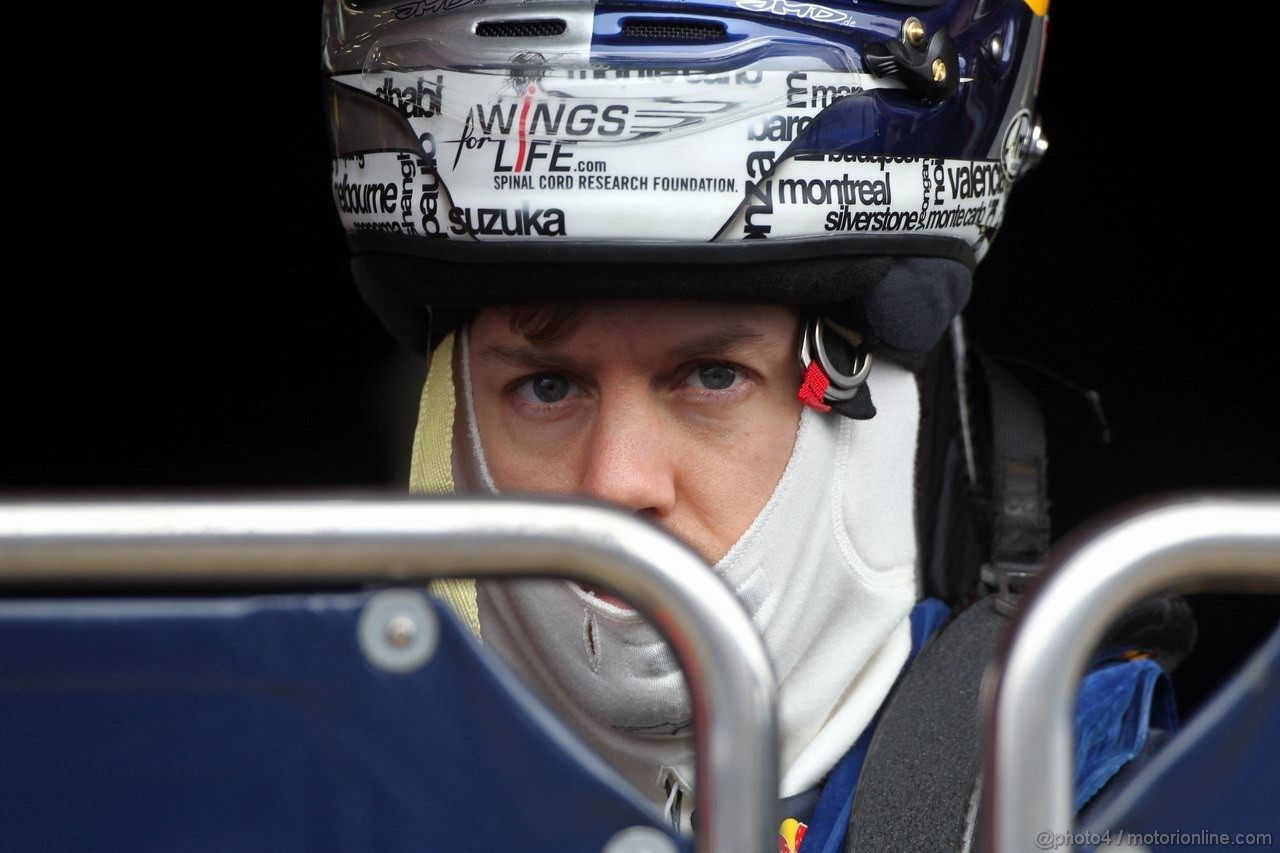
<point x="1181" y="546"/>
<point x="357" y="540"/>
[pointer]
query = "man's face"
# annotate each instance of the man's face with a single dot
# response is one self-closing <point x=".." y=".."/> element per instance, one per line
<point x="685" y="412"/>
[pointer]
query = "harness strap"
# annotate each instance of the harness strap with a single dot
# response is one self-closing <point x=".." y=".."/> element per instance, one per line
<point x="1001" y="522"/>
<point x="917" y="784"/>
<point x="1017" y="487"/>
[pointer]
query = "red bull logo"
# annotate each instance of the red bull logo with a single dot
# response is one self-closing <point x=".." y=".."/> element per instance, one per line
<point x="790" y="834"/>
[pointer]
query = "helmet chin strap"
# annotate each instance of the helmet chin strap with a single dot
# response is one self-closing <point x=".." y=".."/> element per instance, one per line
<point x="836" y="365"/>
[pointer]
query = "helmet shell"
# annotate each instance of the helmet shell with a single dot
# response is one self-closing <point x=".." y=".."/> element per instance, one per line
<point x="661" y="132"/>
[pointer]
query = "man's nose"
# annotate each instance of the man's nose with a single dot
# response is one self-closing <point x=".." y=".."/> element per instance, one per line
<point x="630" y="459"/>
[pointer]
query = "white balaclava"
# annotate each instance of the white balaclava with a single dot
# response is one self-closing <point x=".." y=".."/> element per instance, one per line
<point x="827" y="571"/>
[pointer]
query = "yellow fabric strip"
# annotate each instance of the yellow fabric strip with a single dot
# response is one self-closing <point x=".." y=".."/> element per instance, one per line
<point x="431" y="468"/>
<point x="1040" y="7"/>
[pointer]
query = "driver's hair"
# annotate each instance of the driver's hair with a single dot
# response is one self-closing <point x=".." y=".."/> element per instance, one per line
<point x="542" y="322"/>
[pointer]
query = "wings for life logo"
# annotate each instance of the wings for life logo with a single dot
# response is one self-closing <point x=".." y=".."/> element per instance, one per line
<point x="535" y="127"/>
<point x="540" y="126"/>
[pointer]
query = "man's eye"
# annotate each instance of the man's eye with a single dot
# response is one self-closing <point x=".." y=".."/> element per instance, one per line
<point x="713" y="376"/>
<point x="546" y="388"/>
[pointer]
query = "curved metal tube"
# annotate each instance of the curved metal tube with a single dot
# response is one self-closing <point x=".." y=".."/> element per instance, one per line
<point x="1181" y="546"/>
<point x="355" y="540"/>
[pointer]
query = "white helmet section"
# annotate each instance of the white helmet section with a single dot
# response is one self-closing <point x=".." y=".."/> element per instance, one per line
<point x="632" y="155"/>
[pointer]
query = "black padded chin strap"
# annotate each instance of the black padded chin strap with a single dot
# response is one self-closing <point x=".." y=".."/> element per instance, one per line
<point x="911" y="306"/>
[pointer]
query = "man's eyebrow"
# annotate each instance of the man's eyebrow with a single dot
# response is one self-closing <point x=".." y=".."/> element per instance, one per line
<point x="724" y="339"/>
<point x="529" y="357"/>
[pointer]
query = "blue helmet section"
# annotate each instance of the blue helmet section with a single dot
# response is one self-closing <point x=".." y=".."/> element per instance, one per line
<point x="259" y="724"/>
<point x="998" y="47"/>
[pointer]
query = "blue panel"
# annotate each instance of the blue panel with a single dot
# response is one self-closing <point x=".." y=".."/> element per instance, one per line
<point x="258" y="724"/>
<point x="1220" y="775"/>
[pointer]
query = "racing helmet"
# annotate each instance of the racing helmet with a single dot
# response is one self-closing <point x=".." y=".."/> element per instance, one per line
<point x="849" y="156"/>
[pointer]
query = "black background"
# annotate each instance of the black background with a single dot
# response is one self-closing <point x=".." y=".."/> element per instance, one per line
<point x="182" y="317"/>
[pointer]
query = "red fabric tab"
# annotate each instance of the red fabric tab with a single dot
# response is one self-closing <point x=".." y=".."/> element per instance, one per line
<point x="814" y="388"/>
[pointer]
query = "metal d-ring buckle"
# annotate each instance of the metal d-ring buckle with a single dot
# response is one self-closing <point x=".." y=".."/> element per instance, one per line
<point x="844" y="386"/>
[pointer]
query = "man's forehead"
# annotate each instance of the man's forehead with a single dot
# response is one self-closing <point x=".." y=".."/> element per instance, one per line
<point x="641" y="332"/>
